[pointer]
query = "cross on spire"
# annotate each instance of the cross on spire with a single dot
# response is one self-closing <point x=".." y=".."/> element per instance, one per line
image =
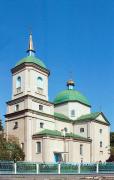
<point x="31" y="51"/>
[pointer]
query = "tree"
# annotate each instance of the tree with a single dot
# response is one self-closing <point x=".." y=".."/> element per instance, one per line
<point x="1" y="127"/>
<point x="10" y="150"/>
<point x="111" y="158"/>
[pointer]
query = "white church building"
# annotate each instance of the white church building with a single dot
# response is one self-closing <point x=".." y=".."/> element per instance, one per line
<point x="63" y="130"/>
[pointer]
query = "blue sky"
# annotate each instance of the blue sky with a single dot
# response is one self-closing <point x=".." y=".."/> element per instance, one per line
<point x="69" y="36"/>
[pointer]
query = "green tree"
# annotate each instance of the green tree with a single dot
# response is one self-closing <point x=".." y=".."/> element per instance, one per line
<point x="1" y="127"/>
<point x="111" y="158"/>
<point x="10" y="150"/>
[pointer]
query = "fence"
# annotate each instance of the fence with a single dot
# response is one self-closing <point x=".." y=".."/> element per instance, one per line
<point x="9" y="167"/>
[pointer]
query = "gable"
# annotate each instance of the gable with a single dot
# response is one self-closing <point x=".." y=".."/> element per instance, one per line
<point x="102" y="118"/>
<point x="94" y="116"/>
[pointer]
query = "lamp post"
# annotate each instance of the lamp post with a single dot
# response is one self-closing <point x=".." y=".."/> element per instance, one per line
<point x="64" y="134"/>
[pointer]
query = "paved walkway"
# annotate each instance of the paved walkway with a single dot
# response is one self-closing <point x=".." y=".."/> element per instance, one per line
<point x="58" y="177"/>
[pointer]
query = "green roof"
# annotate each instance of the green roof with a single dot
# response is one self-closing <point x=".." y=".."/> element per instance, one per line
<point x="55" y="133"/>
<point x="90" y="117"/>
<point x="60" y="115"/>
<point x="31" y="59"/>
<point x="63" y="117"/>
<point x="72" y="135"/>
<point x="71" y="95"/>
<point x="49" y="132"/>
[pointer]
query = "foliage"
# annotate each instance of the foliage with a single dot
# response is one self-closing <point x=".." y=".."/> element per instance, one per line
<point x="112" y="139"/>
<point x="10" y="150"/>
<point x="1" y="127"/>
<point x="111" y="158"/>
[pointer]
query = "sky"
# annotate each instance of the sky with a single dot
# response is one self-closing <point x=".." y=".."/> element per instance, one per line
<point x="74" y="38"/>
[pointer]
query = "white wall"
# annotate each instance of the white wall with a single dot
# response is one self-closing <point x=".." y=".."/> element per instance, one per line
<point x="80" y="109"/>
<point x="75" y="151"/>
<point x="47" y="124"/>
<point x="86" y="132"/>
<point x="62" y="108"/>
<point x="48" y="109"/>
<point x="29" y="77"/>
<point x="100" y="153"/>
<point x="18" y="132"/>
<point x="59" y="125"/>
<point x="70" y="147"/>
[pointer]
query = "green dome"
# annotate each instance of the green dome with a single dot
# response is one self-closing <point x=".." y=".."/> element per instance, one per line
<point x="31" y="59"/>
<point x="71" y="95"/>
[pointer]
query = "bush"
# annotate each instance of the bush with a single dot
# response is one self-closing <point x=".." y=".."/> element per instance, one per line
<point x="10" y="150"/>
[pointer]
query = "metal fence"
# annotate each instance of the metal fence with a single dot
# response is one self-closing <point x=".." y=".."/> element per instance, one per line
<point x="9" y="167"/>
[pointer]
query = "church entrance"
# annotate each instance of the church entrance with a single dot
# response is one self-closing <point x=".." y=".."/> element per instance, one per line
<point x="57" y="157"/>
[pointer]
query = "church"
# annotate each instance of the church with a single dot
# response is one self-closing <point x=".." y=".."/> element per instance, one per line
<point x="64" y="130"/>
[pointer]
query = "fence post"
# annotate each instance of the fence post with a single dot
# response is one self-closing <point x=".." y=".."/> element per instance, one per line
<point x="15" y="168"/>
<point x="59" y="168"/>
<point x="97" y="168"/>
<point x="37" y="168"/>
<point x="79" y="168"/>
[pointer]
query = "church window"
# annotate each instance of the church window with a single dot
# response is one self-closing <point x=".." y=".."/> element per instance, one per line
<point x="65" y="129"/>
<point x="15" y="125"/>
<point x="18" y="84"/>
<point x="17" y="107"/>
<point x="40" y="82"/>
<point x="38" y="147"/>
<point x="41" y="125"/>
<point x="100" y="131"/>
<point x="81" y="130"/>
<point x="101" y="144"/>
<point x="81" y="149"/>
<point x="40" y="107"/>
<point x="73" y="113"/>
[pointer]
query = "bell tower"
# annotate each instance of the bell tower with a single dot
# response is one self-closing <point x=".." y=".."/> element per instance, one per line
<point x="30" y="76"/>
<point x="29" y="107"/>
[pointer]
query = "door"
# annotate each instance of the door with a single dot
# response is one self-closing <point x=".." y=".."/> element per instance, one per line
<point x="57" y="157"/>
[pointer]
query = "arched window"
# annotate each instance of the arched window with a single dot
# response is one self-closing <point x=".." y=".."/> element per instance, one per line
<point x="73" y="113"/>
<point x="101" y="144"/>
<point x="18" y="82"/>
<point x="40" y="82"/>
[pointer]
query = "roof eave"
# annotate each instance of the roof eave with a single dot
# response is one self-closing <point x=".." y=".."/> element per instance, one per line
<point x="60" y="136"/>
<point x="58" y="103"/>
<point x="24" y="64"/>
